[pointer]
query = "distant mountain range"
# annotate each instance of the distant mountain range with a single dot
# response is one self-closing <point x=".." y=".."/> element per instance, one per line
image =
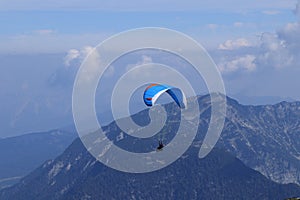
<point x="20" y="155"/>
<point x="265" y="138"/>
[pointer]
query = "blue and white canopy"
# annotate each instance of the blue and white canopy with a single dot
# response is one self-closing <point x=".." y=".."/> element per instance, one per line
<point x="154" y="91"/>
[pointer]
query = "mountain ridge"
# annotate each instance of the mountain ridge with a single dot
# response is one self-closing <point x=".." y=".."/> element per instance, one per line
<point x="245" y="130"/>
<point x="254" y="134"/>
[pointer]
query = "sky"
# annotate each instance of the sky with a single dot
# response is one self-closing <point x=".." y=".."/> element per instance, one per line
<point x="255" y="44"/>
<point x="31" y="26"/>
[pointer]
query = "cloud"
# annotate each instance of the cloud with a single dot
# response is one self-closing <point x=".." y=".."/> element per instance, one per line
<point x="241" y="63"/>
<point x="235" y="44"/>
<point x="77" y="55"/>
<point x="290" y="35"/>
<point x="281" y="49"/>
<point x="271" y="12"/>
<point x="47" y="41"/>
<point x="270" y="67"/>
<point x="274" y="52"/>
<point x="44" y="31"/>
<point x="277" y="50"/>
<point x="72" y="54"/>
<point x="65" y="76"/>
<point x="212" y="26"/>
<point x="144" y="60"/>
<point x="110" y="71"/>
<point x="238" y="24"/>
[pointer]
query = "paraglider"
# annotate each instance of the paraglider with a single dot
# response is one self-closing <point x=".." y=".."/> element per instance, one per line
<point x="160" y="146"/>
<point x="154" y="91"/>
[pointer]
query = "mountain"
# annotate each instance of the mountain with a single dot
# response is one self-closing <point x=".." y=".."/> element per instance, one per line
<point x="77" y="175"/>
<point x="260" y="100"/>
<point x="21" y="154"/>
<point x="265" y="138"/>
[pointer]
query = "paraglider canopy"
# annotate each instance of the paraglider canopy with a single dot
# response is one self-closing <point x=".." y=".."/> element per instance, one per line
<point x="154" y="91"/>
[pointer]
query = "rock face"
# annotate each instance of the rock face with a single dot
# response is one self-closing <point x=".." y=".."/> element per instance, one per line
<point x="266" y="138"/>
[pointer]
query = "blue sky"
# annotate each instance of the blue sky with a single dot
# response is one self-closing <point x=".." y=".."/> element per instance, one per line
<point x="255" y="43"/>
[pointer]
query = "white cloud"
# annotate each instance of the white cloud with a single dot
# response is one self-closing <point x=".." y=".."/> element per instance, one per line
<point x="281" y="49"/>
<point x="238" y="24"/>
<point x="212" y="26"/>
<point x="235" y="44"/>
<point x="44" y="31"/>
<point x="290" y="34"/>
<point x="144" y="60"/>
<point x="72" y="54"/>
<point x="91" y="65"/>
<point x="47" y="41"/>
<point x="110" y="71"/>
<point x="271" y="12"/>
<point x="274" y="52"/>
<point x="77" y="55"/>
<point x="241" y="63"/>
